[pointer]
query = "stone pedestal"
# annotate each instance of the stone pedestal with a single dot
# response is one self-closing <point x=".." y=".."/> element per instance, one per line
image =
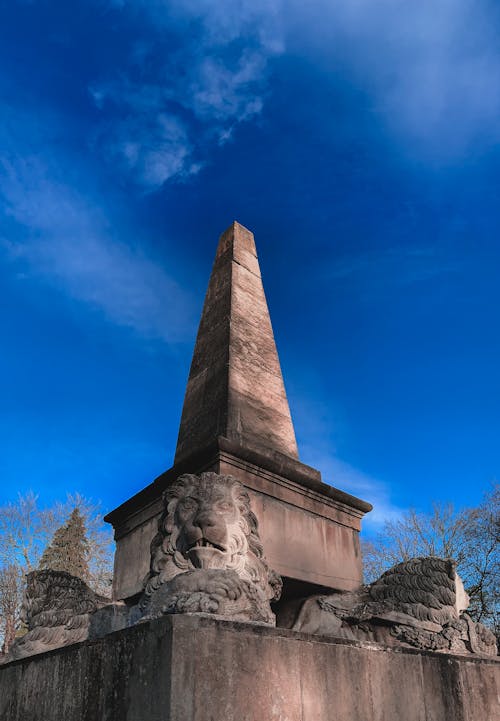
<point x="309" y="530"/>
<point x="192" y="668"/>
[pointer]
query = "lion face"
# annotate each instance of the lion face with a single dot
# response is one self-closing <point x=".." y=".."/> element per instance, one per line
<point x="207" y="523"/>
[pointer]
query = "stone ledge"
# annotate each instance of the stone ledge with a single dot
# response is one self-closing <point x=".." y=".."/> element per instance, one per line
<point x="144" y="505"/>
<point x="195" y="622"/>
<point x="198" y="668"/>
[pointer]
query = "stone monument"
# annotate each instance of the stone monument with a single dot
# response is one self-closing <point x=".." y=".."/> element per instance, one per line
<point x="236" y="420"/>
<point x="238" y="591"/>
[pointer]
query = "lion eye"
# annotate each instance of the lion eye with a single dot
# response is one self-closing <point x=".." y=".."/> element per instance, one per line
<point x="224" y="506"/>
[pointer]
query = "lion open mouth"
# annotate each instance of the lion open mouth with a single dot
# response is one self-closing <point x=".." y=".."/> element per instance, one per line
<point x="204" y="543"/>
<point x="207" y="554"/>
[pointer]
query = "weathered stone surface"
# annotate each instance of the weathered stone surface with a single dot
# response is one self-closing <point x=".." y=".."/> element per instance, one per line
<point x="60" y="610"/>
<point x="235" y="387"/>
<point x="207" y="555"/>
<point x="57" y="609"/>
<point x="420" y="602"/>
<point x="193" y="668"/>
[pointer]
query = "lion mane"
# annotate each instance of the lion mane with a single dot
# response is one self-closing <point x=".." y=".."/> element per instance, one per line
<point x="424" y="588"/>
<point x="243" y="552"/>
<point x="56" y="610"/>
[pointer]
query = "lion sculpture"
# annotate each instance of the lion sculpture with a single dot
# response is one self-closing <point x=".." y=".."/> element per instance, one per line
<point x="57" y="611"/>
<point x="420" y="602"/>
<point x="207" y="556"/>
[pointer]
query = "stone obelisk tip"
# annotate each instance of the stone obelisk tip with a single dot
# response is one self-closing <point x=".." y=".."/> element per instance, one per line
<point x="235" y="387"/>
<point x="237" y="240"/>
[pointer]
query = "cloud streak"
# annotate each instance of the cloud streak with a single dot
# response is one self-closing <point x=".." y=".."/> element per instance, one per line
<point x="432" y="67"/>
<point x="64" y="240"/>
<point x="431" y="72"/>
<point x="210" y="78"/>
<point x="317" y="434"/>
<point x="195" y="72"/>
<point x="346" y="477"/>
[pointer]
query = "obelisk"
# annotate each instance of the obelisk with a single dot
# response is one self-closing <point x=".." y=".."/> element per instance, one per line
<point x="236" y="420"/>
<point x="235" y="387"/>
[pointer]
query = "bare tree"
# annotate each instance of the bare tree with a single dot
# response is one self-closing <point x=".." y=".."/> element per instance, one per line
<point x="11" y="591"/>
<point x="470" y="536"/>
<point x="26" y="529"/>
<point x="481" y="568"/>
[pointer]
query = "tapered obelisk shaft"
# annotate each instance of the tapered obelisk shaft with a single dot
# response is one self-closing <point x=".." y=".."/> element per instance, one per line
<point x="235" y="387"/>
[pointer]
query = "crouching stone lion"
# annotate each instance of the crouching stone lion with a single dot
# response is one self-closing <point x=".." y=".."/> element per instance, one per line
<point x="420" y="602"/>
<point x="57" y="611"/>
<point x="207" y="556"/>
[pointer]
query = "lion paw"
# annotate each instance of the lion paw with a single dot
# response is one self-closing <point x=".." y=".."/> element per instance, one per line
<point x="216" y="583"/>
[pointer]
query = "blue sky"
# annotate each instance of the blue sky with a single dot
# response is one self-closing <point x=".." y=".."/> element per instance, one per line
<point x="358" y="140"/>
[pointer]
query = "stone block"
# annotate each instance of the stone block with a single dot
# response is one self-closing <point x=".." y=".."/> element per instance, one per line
<point x="194" y="668"/>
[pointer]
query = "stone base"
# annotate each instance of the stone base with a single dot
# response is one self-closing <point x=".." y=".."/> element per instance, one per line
<point x="309" y="530"/>
<point x="193" y="668"/>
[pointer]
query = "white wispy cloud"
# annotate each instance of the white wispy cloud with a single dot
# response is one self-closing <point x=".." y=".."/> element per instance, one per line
<point x="352" y="480"/>
<point x="150" y="145"/>
<point x="318" y="430"/>
<point x="65" y="241"/>
<point x="346" y="477"/>
<point x="432" y="68"/>
<point x="158" y="127"/>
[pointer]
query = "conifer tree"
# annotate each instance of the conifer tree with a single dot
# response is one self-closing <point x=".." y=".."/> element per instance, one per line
<point x="69" y="548"/>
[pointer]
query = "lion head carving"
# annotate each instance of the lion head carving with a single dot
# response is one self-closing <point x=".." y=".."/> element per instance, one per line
<point x="208" y="532"/>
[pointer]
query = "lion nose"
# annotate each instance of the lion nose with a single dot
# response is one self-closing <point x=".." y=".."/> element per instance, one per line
<point x="204" y="519"/>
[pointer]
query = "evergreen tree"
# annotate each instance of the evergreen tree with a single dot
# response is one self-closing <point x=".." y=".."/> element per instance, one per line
<point x="69" y="548"/>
